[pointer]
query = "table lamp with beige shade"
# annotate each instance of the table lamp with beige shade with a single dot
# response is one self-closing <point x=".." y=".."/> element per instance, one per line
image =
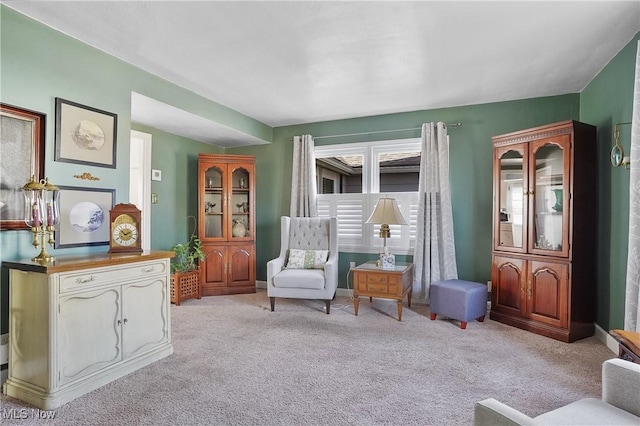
<point x="386" y="213"/>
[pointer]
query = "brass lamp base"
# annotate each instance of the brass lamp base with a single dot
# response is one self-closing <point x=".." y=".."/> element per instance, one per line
<point x="42" y="232"/>
<point x="43" y="257"/>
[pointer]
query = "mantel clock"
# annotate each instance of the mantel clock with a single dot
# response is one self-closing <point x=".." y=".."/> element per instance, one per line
<point x="125" y="236"/>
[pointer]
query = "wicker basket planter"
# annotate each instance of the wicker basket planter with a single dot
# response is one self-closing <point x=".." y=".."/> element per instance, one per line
<point x="185" y="285"/>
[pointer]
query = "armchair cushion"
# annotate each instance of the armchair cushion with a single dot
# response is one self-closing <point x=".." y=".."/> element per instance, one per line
<point x="306" y="259"/>
<point x="300" y="278"/>
<point x="587" y="411"/>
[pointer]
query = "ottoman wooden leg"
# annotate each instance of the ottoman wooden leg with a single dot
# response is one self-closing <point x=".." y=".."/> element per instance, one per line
<point x="481" y="319"/>
<point x="463" y="325"/>
<point x="433" y="316"/>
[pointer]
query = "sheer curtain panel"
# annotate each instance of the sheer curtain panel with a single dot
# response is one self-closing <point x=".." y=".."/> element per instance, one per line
<point x="435" y="253"/>
<point x="632" y="298"/>
<point x="303" y="178"/>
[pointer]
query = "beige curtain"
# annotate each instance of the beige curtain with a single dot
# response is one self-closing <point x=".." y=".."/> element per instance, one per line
<point x="303" y="178"/>
<point x="435" y="253"/>
<point x="632" y="298"/>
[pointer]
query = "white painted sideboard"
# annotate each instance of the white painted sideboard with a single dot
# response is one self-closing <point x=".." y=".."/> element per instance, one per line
<point x="78" y="323"/>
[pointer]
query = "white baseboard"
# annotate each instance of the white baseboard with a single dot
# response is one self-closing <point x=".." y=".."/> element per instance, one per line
<point x="344" y="292"/>
<point x="606" y="339"/>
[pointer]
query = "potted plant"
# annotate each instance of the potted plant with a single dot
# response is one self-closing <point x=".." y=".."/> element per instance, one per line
<point x="185" y="270"/>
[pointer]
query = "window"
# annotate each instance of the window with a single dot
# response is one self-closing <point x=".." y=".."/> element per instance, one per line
<point x="351" y="178"/>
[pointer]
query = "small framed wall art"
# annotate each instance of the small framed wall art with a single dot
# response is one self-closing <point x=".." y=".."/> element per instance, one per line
<point x="84" y="216"/>
<point x="85" y="135"/>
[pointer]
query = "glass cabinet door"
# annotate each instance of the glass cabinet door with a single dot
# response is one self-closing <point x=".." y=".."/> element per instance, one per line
<point x="511" y="193"/>
<point x="549" y="201"/>
<point x="240" y="203"/>
<point x="214" y="212"/>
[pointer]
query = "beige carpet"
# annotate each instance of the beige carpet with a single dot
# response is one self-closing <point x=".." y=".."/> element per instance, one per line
<point x="237" y="363"/>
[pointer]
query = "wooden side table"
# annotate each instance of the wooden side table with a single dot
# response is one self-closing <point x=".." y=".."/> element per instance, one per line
<point x="370" y="280"/>
<point x="628" y="345"/>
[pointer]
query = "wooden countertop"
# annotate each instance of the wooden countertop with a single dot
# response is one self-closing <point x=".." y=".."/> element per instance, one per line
<point x="79" y="262"/>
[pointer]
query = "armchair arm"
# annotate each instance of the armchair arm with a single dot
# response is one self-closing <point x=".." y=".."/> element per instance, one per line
<point x="490" y="412"/>
<point x="331" y="272"/>
<point x="621" y="385"/>
<point x="273" y="267"/>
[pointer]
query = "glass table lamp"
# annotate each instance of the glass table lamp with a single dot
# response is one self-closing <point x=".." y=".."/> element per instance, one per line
<point x="41" y="213"/>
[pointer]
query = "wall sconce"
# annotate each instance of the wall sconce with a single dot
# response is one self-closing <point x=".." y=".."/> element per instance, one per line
<point x="386" y="213"/>
<point x="617" y="153"/>
<point x="41" y="213"/>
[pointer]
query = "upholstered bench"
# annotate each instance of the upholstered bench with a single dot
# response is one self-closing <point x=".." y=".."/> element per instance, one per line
<point x="459" y="300"/>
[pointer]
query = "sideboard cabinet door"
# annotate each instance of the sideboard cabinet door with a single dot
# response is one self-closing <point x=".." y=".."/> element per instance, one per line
<point x="145" y="320"/>
<point x="88" y="332"/>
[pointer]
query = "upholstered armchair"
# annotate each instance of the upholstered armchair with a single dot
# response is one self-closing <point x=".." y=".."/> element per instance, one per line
<point x="304" y="269"/>
<point x="619" y="405"/>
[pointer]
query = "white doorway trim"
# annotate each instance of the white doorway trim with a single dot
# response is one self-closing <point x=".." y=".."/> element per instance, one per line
<point x="140" y="181"/>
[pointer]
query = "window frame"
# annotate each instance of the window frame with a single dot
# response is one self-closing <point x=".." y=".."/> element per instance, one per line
<point x="402" y="242"/>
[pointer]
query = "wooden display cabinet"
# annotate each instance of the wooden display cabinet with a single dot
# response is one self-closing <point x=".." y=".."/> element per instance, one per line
<point x="226" y="223"/>
<point x="544" y="228"/>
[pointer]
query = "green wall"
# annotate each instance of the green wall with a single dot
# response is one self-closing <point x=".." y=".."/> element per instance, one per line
<point x="606" y="101"/>
<point x="177" y="193"/>
<point x="471" y="170"/>
<point x="39" y="64"/>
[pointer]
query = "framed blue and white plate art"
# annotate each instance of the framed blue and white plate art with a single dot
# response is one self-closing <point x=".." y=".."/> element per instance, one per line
<point x="84" y="216"/>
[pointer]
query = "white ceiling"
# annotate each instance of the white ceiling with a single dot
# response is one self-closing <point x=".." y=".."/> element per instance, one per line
<point x="290" y="62"/>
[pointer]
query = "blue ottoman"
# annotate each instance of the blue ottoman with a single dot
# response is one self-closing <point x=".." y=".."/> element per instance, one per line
<point x="460" y="300"/>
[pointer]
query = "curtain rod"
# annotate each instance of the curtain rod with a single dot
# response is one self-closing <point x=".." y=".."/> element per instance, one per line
<point x="382" y="131"/>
